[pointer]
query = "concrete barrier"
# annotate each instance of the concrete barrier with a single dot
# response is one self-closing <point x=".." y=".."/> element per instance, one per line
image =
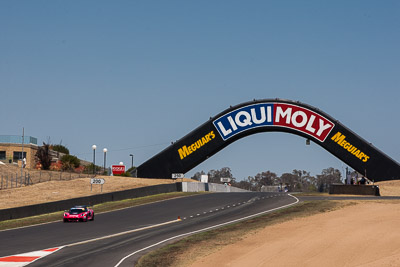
<point x="38" y="209"/>
<point x="372" y="190"/>
<point x="211" y="187"/>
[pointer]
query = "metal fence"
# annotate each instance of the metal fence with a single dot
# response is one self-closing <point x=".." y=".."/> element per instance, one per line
<point x="14" y="180"/>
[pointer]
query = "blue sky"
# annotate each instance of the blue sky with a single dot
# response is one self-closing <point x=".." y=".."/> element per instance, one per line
<point x="132" y="76"/>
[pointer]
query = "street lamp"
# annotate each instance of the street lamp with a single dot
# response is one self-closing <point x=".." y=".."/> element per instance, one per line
<point x="94" y="158"/>
<point x="132" y="160"/>
<point x="105" y="152"/>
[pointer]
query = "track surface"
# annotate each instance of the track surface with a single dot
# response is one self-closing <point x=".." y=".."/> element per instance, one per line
<point x="197" y="212"/>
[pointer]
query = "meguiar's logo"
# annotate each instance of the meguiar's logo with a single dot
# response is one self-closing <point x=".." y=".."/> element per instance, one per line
<point x="339" y="138"/>
<point x="187" y="150"/>
<point x="274" y="114"/>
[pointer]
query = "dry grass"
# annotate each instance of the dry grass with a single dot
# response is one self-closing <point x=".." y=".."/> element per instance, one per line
<point x="187" y="250"/>
<point x="389" y="188"/>
<point x="99" y="208"/>
<point x="65" y="189"/>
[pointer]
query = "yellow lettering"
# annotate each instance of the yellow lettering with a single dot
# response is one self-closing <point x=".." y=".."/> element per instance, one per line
<point x="187" y="150"/>
<point x="183" y="152"/>
<point x="203" y="139"/>
<point x="193" y="147"/>
<point x="346" y="146"/>
<point x="338" y="137"/>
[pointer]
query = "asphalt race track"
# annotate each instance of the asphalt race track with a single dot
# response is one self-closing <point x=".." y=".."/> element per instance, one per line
<point x="138" y="228"/>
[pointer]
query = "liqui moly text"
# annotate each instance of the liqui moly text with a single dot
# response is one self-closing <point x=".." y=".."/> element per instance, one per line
<point x="274" y="114"/>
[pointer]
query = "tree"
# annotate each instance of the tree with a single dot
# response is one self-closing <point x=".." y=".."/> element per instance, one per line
<point x="60" y="148"/>
<point x="290" y="180"/>
<point x="197" y="175"/>
<point x="89" y="169"/>
<point x="327" y="177"/>
<point x="243" y="184"/>
<point x="214" y="176"/>
<point x="43" y="156"/>
<point x="304" y="181"/>
<point x="70" y="162"/>
<point x="263" y="179"/>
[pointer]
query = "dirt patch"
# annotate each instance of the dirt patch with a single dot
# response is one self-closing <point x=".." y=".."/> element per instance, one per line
<point x="366" y="234"/>
<point x="60" y="190"/>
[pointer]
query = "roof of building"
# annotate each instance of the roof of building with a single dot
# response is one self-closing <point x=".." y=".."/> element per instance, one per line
<point x="17" y="139"/>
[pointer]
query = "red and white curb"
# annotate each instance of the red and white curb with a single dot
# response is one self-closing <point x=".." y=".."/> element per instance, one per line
<point x="26" y="258"/>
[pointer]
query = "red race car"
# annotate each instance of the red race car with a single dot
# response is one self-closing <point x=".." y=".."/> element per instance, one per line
<point x="79" y="214"/>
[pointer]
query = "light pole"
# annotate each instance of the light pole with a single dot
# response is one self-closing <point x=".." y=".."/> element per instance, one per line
<point x="132" y="160"/>
<point x="105" y="152"/>
<point x="94" y="158"/>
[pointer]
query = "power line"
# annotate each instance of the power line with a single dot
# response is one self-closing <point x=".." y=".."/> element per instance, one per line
<point x="124" y="149"/>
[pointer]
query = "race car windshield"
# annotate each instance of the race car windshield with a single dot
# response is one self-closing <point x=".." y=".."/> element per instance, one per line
<point x="76" y="211"/>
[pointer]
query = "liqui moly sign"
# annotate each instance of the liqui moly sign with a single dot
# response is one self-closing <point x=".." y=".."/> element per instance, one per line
<point x="274" y="114"/>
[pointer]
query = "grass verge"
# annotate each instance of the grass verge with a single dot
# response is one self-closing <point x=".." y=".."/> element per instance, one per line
<point x="104" y="207"/>
<point x="186" y="250"/>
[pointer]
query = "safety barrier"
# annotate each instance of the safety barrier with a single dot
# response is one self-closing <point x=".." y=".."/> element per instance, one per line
<point x="211" y="187"/>
<point x="38" y="209"/>
<point x="372" y="190"/>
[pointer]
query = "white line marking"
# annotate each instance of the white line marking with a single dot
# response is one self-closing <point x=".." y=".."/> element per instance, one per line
<point x="121" y="233"/>
<point x="97" y="213"/>
<point x="207" y="228"/>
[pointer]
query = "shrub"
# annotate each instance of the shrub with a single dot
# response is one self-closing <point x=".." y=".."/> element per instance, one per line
<point x="60" y="148"/>
<point x="70" y="162"/>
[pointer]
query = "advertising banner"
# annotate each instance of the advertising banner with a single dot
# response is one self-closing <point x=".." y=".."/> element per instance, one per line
<point x="271" y="115"/>
<point x="118" y="169"/>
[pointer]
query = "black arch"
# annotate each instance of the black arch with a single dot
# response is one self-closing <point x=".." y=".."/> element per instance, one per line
<point x="280" y="115"/>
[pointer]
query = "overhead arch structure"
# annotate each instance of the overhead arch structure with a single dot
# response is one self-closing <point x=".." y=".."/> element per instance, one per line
<point x="271" y="115"/>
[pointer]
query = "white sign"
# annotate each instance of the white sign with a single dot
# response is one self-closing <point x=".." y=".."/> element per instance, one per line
<point x="177" y="175"/>
<point x="97" y="181"/>
<point x="226" y="180"/>
<point x="204" y="178"/>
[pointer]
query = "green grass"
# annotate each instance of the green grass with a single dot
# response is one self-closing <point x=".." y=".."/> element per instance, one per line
<point x="207" y="242"/>
<point x="104" y="207"/>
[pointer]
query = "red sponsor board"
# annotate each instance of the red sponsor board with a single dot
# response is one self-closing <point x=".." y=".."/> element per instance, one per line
<point x="303" y="120"/>
<point x="118" y="169"/>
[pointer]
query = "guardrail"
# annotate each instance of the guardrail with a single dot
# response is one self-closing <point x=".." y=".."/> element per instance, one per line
<point x="38" y="209"/>
<point x="211" y="187"/>
<point x="372" y="190"/>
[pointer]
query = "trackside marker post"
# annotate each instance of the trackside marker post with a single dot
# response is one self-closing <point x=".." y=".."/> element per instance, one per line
<point x="99" y="181"/>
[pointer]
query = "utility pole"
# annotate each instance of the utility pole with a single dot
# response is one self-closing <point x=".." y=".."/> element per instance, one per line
<point x="22" y="156"/>
<point x="132" y="160"/>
